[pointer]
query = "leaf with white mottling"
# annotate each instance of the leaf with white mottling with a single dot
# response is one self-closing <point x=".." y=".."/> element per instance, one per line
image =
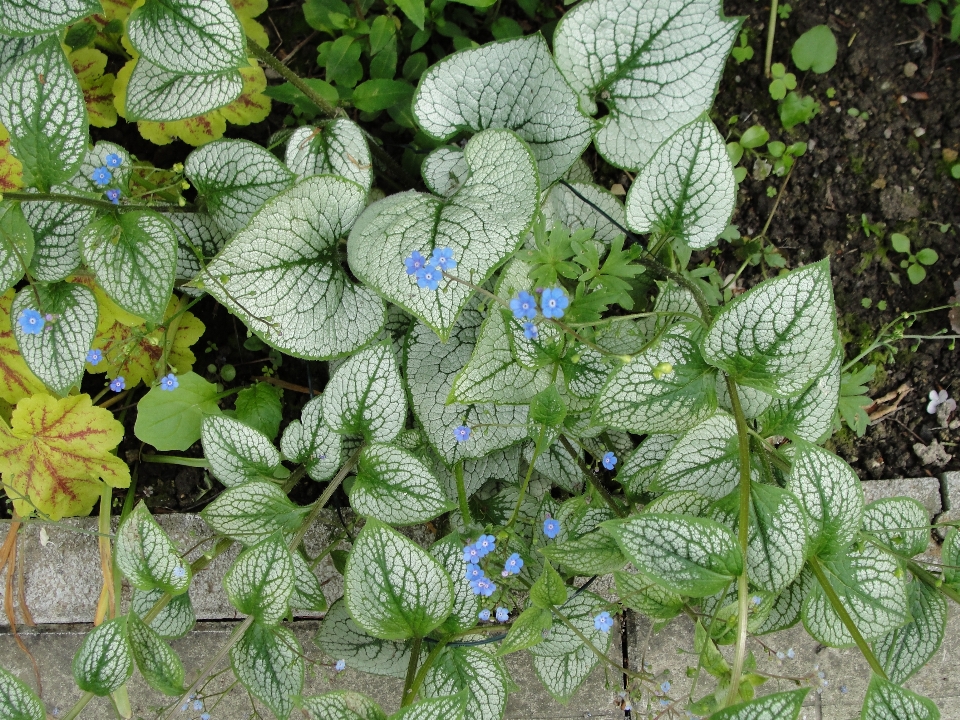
<point x="147" y="556"/>
<point x="416" y="594"/>
<point x="431" y="367"/>
<point x="752" y="401"/>
<point x="394" y="486"/>
<point x="442" y="708"/>
<point x="336" y="148"/>
<point x="779" y="706"/>
<point x="634" y="399"/>
<point x="176" y="618"/>
<point x="16" y="244"/>
<point x="705" y="460"/>
<point x="687" y="190"/>
<point x="134" y="256"/>
<point x="449" y="553"/>
<point x="808" y="416"/>
<point x="236" y="452"/>
<point x="780" y="335"/>
<point x="17" y="700"/>
<point x="638" y="592"/>
<point x="42" y="107"/>
<point x="260" y="581"/>
<point x="309" y="441"/>
<point x="191" y="36"/>
<point x="163" y="96"/>
<point x="201" y="232"/>
<point x="688" y="556"/>
<point x="785" y="612"/>
<point x="234" y="179"/>
<point x="886" y="701"/>
<point x="871" y="588"/>
<point x="950" y="555"/>
<point x="482" y="223"/>
<point x="103" y="661"/>
<point x="365" y="396"/>
<point x="56" y="234"/>
<point x="58" y="353"/>
<point x="563" y="206"/>
<point x="482" y="675"/>
<point x="96" y="157"/>
<point x="901" y="524"/>
<point x="340" y="637"/>
<point x="342" y="705"/>
<point x="685" y="502"/>
<point x="282" y="274"/>
<point x="268" y="661"/>
<point x="444" y="170"/>
<point x="654" y="65"/>
<point x="158" y="663"/>
<point x="642" y="465"/>
<point x="513" y="84"/>
<point x="905" y="650"/>
<point x="12" y="48"/>
<point x="832" y="496"/>
<point x="252" y="511"/>
<point x="32" y="17"/>
<point x="596" y="553"/>
<point x="307" y="592"/>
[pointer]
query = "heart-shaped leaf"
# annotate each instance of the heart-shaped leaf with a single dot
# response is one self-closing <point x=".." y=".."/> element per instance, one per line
<point x="449" y="553"/>
<point x="899" y="523"/>
<point x="905" y="650"/>
<point x="336" y="148"/>
<point x="252" y="512"/>
<point x="56" y="234"/>
<point x="365" y="396"/>
<point x="260" y="581"/>
<point x="147" y="557"/>
<point x="103" y="662"/>
<point x="311" y="442"/>
<point x="159" y="95"/>
<point x="236" y="452"/>
<point x="394" y="486"/>
<point x="269" y="663"/>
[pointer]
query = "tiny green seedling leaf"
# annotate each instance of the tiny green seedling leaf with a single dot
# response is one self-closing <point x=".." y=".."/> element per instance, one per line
<point x="815" y="50"/>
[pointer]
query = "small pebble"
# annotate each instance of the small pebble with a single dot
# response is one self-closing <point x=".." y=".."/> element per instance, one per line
<point x="910" y="69"/>
<point x="920" y="132"/>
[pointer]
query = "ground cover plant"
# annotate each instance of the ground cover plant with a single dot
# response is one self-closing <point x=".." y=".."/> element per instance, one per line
<point x="513" y="354"/>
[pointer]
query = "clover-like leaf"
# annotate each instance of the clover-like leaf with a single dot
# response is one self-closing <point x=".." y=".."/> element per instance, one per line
<point x="103" y="661"/>
<point x="561" y="204"/>
<point x="483" y="676"/>
<point x="57" y="354"/>
<point x="901" y="524"/>
<point x="394" y="486"/>
<point x="252" y="512"/>
<point x="809" y="415"/>
<point x="513" y="84"/>
<point x="134" y="256"/>
<point x="641" y="400"/>
<point x="236" y="452"/>
<point x="261" y="580"/>
<point x="779" y="336"/>
<point x="16" y="244"/>
<point x="340" y="637"/>
<point x="158" y="663"/>
<point x="365" y="396"/>
<point x="687" y="190"/>
<point x="335" y="148"/>
<point x="175" y="619"/>
<point x="444" y="170"/>
<point x="482" y="223"/>
<point x="655" y="66"/>
<point x="873" y="591"/>
<point x="779" y="706"/>
<point x="431" y="367"/>
<point x="831" y="495"/>
<point x="886" y="701"/>
<point x="342" y="705"/>
<point x="188" y="36"/>
<point x="311" y="442"/>
<point x="905" y="650"/>
<point x="147" y="556"/>
<point x="55" y="453"/>
<point x="17" y="699"/>
<point x="417" y="592"/>
<point x="235" y="178"/>
<point x="269" y="663"/>
<point x="282" y="274"/>
<point x="159" y="95"/>
<point x="41" y="106"/>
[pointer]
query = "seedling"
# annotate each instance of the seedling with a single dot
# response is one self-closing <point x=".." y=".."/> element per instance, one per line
<point x="913" y="263"/>
<point x="815" y="50"/>
<point x="782" y="81"/>
<point x="742" y="52"/>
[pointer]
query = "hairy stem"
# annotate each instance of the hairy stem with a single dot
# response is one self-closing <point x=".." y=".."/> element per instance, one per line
<point x="526" y="481"/>
<point x="408" y="694"/>
<point x="427" y="664"/>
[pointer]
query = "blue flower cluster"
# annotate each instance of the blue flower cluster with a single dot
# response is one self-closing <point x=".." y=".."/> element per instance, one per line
<point x="513" y="565"/>
<point x="473" y="554"/>
<point x="429" y="271"/>
<point x="103" y="177"/>
<point x="524" y="307"/>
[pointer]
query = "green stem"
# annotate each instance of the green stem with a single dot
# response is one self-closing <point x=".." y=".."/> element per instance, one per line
<point x="427" y="664"/>
<point x="94" y="202"/>
<point x="408" y="694"/>
<point x="743" y="600"/>
<point x="933" y="581"/>
<point x="604" y="493"/>
<point x="526" y="481"/>
<point x="79" y="706"/>
<point x="462" y="494"/>
<point x="845" y="618"/>
<point x="176" y="460"/>
<point x="268" y="59"/>
<point x="771" y="32"/>
<point x="325" y="498"/>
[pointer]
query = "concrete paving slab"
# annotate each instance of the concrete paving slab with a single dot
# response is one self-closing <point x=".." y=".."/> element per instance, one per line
<point x="925" y="489"/>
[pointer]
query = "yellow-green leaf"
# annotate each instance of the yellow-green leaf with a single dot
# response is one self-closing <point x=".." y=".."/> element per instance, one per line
<point x="16" y="380"/>
<point x="11" y="170"/>
<point x="56" y="453"/>
<point x="88" y="65"/>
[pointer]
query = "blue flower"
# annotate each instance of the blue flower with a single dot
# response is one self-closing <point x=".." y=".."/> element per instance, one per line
<point x="551" y="528"/>
<point x="553" y="301"/>
<point x="609" y="460"/>
<point x="757" y="600"/>
<point x="429" y="277"/>
<point x="30" y="321"/>
<point x="461" y="433"/>
<point x="205" y="716"/>
<point x="484" y="615"/>
<point x="94" y="356"/>
<point x="340" y="666"/>
<point x="530" y="331"/>
<point x="169" y="382"/>
<point x="513" y="565"/>
<point x="665" y="686"/>
<point x="524" y="306"/>
<point x="113" y="196"/>
<point x="790" y="653"/>
<point x="415" y="262"/>
<point x="486" y="544"/>
<point x="113" y="160"/>
<point x="179" y="572"/>
<point x="101" y="176"/>
<point x="474" y="572"/>
<point x="198" y="704"/>
<point x="443" y="258"/>
<point x="603" y="622"/>
<point x="502" y="614"/>
<point x="483" y="586"/>
<point x="471" y="554"/>
<point x="118" y="383"/>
